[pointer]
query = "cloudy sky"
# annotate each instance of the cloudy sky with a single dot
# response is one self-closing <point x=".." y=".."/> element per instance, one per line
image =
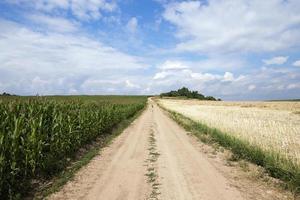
<point x="233" y="49"/>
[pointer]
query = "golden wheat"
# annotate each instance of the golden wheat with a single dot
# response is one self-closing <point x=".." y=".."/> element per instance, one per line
<point x="273" y="126"/>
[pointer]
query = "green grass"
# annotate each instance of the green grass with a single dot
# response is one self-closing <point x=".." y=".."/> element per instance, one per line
<point x="276" y="165"/>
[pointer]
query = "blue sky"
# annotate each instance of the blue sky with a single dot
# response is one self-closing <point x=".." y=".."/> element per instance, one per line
<point x="235" y="49"/>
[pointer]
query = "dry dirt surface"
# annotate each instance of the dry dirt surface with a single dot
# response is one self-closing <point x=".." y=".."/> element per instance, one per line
<point x="154" y="158"/>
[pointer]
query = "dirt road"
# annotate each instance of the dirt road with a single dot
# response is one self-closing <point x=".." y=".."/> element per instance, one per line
<point x="153" y="158"/>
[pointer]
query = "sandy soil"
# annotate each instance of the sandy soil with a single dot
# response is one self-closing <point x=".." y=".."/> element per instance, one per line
<point x="184" y="168"/>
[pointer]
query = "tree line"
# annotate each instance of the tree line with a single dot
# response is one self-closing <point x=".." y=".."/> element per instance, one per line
<point x="7" y="94"/>
<point x="185" y="92"/>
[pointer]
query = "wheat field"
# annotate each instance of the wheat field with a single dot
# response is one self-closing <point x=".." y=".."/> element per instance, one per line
<point x="273" y="126"/>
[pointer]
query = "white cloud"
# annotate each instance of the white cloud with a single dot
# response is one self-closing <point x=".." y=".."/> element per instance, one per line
<point x="236" y="25"/>
<point x="264" y="83"/>
<point x="169" y="65"/>
<point x="132" y="25"/>
<point x="82" y="9"/>
<point x="170" y="79"/>
<point x="228" y="76"/>
<point x="276" y="60"/>
<point x="161" y="75"/>
<point x="218" y="63"/>
<point x="90" y="9"/>
<point x="175" y="69"/>
<point x="57" y="24"/>
<point x="293" y="86"/>
<point x="56" y="57"/>
<point x="251" y="87"/>
<point x="205" y="77"/>
<point x="30" y="58"/>
<point x="131" y="85"/>
<point x="119" y="85"/>
<point x="103" y="86"/>
<point x="48" y="5"/>
<point x="296" y="63"/>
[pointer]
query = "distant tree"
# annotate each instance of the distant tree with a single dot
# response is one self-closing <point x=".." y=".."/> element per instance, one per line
<point x="185" y="92"/>
<point x="5" y="94"/>
<point x="210" y="98"/>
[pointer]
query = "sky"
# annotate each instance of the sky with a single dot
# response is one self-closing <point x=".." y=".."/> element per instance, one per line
<point x="233" y="49"/>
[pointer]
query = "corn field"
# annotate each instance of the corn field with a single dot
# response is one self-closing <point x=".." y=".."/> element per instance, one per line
<point x="38" y="135"/>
